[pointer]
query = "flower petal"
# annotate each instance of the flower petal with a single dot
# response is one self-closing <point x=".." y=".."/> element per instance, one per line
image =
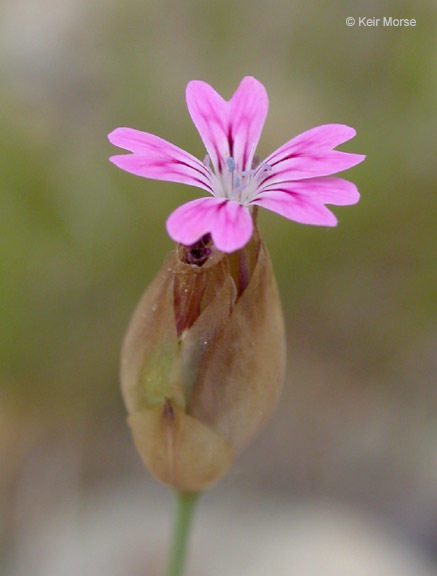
<point x="311" y="154"/>
<point x="310" y="166"/>
<point x="249" y="106"/>
<point x="324" y="137"/>
<point x="297" y="207"/>
<point x="153" y="157"/>
<point x="228" y="129"/>
<point x="209" y="113"/>
<point x="229" y="223"/>
<point x="329" y="190"/>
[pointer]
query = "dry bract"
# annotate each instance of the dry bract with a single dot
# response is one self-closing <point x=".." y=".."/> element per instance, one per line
<point x="203" y="361"/>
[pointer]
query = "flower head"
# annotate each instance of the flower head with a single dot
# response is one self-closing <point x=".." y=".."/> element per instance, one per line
<point x="294" y="181"/>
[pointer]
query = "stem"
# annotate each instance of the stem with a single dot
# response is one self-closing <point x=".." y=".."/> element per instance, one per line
<point x="181" y="527"/>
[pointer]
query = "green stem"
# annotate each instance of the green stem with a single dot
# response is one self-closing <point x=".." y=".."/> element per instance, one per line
<point x="181" y="527"/>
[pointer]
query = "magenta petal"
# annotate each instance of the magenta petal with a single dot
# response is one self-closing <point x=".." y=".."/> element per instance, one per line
<point x="329" y="190"/>
<point x="233" y="227"/>
<point x="325" y="137"/>
<point x="297" y="207"/>
<point x="229" y="223"/>
<point x="311" y="154"/>
<point x="317" y="163"/>
<point x="249" y="106"/>
<point x="153" y="157"/>
<point x="209" y="113"/>
<point x="229" y="128"/>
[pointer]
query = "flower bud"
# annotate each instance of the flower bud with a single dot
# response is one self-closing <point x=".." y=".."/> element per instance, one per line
<point x="203" y="361"/>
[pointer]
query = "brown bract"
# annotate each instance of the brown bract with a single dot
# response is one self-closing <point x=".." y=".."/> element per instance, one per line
<point x="203" y="362"/>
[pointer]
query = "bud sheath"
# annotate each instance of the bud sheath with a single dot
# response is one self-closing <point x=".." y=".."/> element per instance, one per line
<point x="203" y="361"/>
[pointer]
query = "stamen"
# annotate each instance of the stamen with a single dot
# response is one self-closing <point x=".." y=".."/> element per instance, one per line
<point x="230" y="164"/>
<point x="266" y="166"/>
<point x="247" y="172"/>
<point x="206" y="161"/>
<point x="237" y="182"/>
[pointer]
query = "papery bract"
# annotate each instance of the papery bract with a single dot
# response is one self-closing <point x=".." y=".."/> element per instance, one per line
<point x="203" y="362"/>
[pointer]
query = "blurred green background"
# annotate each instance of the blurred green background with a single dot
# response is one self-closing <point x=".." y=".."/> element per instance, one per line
<point x="80" y="241"/>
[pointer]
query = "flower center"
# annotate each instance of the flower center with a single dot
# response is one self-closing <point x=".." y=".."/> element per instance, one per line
<point x="240" y="186"/>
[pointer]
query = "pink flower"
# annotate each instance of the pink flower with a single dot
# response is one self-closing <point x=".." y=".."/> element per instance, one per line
<point x="292" y="181"/>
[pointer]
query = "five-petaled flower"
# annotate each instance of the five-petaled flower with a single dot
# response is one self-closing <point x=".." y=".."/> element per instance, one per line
<point x="293" y="181"/>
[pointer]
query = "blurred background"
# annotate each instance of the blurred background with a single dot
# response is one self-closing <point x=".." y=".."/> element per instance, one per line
<point x="344" y="479"/>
